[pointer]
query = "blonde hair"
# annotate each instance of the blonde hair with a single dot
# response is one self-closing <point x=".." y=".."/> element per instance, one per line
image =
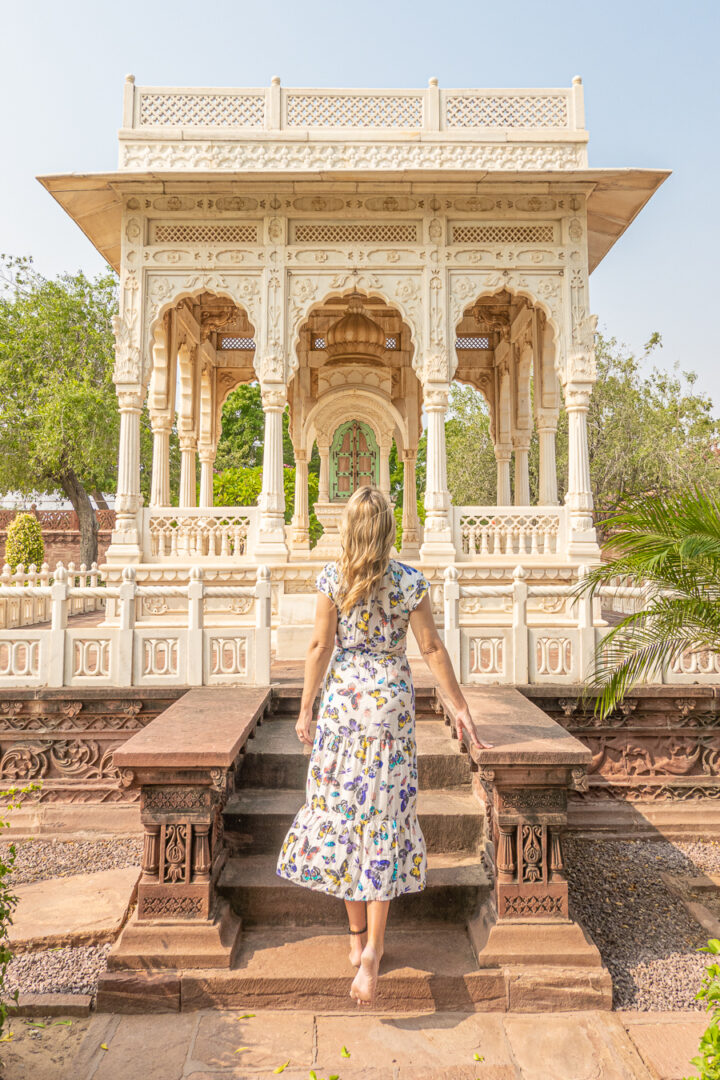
<point x="367" y="533"/>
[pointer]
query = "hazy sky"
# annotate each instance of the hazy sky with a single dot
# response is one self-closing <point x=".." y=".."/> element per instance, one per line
<point x="650" y="71"/>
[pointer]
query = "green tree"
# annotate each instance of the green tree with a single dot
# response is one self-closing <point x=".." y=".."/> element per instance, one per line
<point x="58" y="411"/>
<point x="242" y="487"/>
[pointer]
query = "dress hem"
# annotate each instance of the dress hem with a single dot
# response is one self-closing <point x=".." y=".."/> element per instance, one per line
<point x="338" y="896"/>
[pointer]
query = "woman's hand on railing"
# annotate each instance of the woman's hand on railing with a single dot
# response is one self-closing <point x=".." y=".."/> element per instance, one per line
<point x="465" y="726"/>
<point x="302" y="728"/>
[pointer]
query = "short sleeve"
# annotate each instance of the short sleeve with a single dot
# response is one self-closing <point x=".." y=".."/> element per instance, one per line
<point x="417" y="589"/>
<point x="327" y="581"/>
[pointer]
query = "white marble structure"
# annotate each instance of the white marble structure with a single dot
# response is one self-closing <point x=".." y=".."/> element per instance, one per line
<point x="355" y="251"/>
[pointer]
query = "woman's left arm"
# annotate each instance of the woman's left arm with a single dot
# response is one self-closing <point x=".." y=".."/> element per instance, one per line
<point x="316" y="662"/>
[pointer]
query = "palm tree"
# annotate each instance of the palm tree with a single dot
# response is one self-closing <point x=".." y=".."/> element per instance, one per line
<point x="669" y="546"/>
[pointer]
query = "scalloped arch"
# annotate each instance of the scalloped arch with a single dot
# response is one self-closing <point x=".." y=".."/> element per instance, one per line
<point x="382" y="416"/>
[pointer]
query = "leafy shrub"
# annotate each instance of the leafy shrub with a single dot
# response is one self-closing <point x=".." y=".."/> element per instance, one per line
<point x="707" y="1061"/>
<point x="242" y="487"/>
<point x="24" y="542"/>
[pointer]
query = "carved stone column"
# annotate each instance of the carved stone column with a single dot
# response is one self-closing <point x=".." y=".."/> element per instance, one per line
<point x="324" y="478"/>
<point x="547" y="494"/>
<point x="410" y="524"/>
<point x="502" y="457"/>
<point x="579" y="499"/>
<point x="207" y="460"/>
<point x="522" y="474"/>
<point x="271" y="528"/>
<point x="437" y="542"/>
<point x="301" y="516"/>
<point x="128" y="499"/>
<point x="188" y="477"/>
<point x="160" y="484"/>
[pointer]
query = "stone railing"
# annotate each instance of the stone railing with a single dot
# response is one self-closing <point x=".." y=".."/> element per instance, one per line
<point x="152" y="654"/>
<point x="275" y="108"/>
<point x="25" y="595"/>
<point x="183" y="764"/>
<point x="511" y="641"/>
<point x="481" y="532"/>
<point x="199" y="532"/>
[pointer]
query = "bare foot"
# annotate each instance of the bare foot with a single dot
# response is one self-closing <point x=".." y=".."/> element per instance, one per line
<point x="364" y="984"/>
<point x="357" y="944"/>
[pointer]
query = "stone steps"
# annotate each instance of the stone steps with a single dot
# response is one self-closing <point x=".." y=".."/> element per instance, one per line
<point x="275" y="757"/>
<point x="456" y="886"/>
<point x="257" y="819"/>
<point x="308" y="968"/>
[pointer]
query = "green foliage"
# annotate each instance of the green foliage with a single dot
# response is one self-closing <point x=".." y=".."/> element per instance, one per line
<point x="668" y="544"/>
<point x="242" y="487"/>
<point x="472" y="472"/>
<point x="24" y="542"/>
<point x="8" y="900"/>
<point x="243" y="427"/>
<point x="707" y="1061"/>
<point x="58" y="409"/>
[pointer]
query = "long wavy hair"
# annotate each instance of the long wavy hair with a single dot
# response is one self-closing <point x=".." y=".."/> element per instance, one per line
<point x="367" y="534"/>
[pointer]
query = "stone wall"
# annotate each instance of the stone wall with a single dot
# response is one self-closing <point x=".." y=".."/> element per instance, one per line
<point x="663" y="743"/>
<point x="61" y="534"/>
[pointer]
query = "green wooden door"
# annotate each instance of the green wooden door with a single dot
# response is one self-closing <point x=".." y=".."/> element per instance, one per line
<point x="354" y="459"/>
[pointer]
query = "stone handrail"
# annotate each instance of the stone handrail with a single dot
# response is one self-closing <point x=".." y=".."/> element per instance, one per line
<point x="556" y="112"/>
<point x="491" y="531"/>
<point x="523" y="779"/>
<point x="32" y="605"/>
<point x="184" y="763"/>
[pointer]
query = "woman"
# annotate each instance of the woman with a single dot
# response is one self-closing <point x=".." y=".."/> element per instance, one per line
<point x="357" y="836"/>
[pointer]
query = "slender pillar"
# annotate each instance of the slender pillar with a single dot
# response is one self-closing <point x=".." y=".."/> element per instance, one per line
<point x="301" y="515"/>
<point x="579" y="495"/>
<point x="160" y="485"/>
<point x="188" y="480"/>
<point x="410" y="529"/>
<point x="271" y="530"/>
<point x="438" y="528"/>
<point x="502" y="457"/>
<point x="207" y="460"/>
<point x="547" y="494"/>
<point x="324" y="477"/>
<point x="128" y="499"/>
<point x="522" y="474"/>
<point x="384" y="478"/>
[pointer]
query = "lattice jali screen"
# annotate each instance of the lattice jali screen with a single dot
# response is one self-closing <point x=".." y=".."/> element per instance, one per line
<point x="381" y="233"/>
<point x="503" y="234"/>
<point x="205" y="234"/>
<point x="354" y="111"/>
<point x="509" y="534"/>
<point x="506" y="110"/>
<point x="201" y="110"/>
<point x="245" y="343"/>
<point x="469" y="342"/>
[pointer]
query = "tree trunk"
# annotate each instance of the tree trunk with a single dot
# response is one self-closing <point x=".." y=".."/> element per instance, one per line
<point x="100" y="501"/>
<point x="87" y="520"/>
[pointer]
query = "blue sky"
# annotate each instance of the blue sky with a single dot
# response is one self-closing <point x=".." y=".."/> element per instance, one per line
<point x="651" y="97"/>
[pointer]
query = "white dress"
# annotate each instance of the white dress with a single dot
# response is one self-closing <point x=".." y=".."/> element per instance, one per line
<point x="357" y="835"/>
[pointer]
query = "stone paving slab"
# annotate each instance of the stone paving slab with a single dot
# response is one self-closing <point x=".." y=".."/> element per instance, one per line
<point x="567" y="1046"/>
<point x="665" y="1041"/>
<point x="83" y="909"/>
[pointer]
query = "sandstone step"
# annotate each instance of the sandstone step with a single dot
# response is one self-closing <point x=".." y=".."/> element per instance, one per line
<point x="257" y="819"/>
<point x="456" y="885"/>
<point x="276" y="758"/>
<point x="308" y="968"/>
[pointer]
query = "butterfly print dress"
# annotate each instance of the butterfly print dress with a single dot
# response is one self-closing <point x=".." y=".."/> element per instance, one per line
<point x="357" y="835"/>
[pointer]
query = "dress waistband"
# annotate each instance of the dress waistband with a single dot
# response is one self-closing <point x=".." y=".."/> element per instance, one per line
<point x="363" y="650"/>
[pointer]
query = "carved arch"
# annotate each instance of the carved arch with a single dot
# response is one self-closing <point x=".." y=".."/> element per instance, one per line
<point x="338" y="405"/>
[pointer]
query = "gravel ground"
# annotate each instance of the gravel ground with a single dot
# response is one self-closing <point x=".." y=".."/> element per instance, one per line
<point x="58" y="971"/>
<point x="37" y="860"/>
<point x="645" y="935"/>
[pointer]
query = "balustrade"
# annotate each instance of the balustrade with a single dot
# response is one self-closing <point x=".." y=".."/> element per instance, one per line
<point x="488" y="531"/>
<point x="205" y="532"/>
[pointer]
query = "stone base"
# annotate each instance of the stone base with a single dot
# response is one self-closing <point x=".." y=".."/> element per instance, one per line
<point x="532" y="943"/>
<point x="178" y="943"/>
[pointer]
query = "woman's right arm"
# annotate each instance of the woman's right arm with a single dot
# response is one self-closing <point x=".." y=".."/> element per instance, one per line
<point x="437" y="659"/>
